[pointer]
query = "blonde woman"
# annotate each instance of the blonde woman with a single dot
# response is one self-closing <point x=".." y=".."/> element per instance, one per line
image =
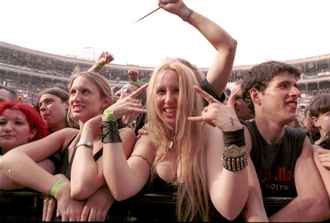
<point x="180" y="152"/>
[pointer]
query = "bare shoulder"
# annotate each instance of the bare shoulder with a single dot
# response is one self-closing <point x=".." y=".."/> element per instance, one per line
<point x="68" y="134"/>
<point x="68" y="131"/>
<point x="144" y="146"/>
<point x="307" y="149"/>
<point x="127" y="133"/>
<point x="144" y="141"/>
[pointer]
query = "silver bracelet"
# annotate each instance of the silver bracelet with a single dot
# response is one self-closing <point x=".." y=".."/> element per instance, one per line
<point x="87" y="144"/>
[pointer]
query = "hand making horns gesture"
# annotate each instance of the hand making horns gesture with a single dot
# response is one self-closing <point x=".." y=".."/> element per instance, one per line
<point x="217" y="114"/>
<point x="128" y="105"/>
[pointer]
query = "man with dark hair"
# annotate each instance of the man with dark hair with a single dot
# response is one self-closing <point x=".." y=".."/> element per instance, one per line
<point x="7" y="94"/>
<point x="282" y="156"/>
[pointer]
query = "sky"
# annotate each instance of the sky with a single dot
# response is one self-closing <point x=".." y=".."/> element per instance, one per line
<point x="264" y="29"/>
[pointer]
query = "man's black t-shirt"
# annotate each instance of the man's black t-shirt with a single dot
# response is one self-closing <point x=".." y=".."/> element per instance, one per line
<point x="275" y="163"/>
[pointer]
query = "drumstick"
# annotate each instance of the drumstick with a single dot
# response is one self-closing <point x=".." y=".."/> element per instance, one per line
<point x="147" y="14"/>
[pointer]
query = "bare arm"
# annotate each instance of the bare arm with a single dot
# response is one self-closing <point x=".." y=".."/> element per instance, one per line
<point x="254" y="210"/>
<point x="228" y="190"/>
<point x="218" y="74"/>
<point x="7" y="184"/>
<point x="322" y="158"/>
<point x="20" y="164"/>
<point x="312" y="203"/>
<point x="103" y="59"/>
<point x="87" y="174"/>
<point x="125" y="178"/>
<point x="227" y="186"/>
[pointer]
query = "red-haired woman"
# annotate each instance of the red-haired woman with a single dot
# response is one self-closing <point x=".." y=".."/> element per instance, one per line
<point x="20" y="123"/>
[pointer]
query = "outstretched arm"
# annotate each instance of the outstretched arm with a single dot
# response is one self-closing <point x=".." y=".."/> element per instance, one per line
<point x="218" y="74"/>
<point x="7" y="184"/>
<point x="20" y="165"/>
<point x="103" y="59"/>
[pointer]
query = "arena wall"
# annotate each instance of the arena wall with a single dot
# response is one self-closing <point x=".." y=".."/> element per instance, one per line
<point x="29" y="71"/>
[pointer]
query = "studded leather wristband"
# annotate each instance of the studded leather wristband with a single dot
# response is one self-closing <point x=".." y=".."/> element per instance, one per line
<point x="235" y="164"/>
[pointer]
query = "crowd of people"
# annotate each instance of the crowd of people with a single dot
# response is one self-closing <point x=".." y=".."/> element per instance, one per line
<point x="220" y="152"/>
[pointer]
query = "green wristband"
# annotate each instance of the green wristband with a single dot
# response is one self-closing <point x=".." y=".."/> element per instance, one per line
<point x="55" y="188"/>
<point x="108" y="116"/>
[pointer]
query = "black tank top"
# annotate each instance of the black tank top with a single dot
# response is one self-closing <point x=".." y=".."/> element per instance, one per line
<point x="275" y="163"/>
<point x="158" y="187"/>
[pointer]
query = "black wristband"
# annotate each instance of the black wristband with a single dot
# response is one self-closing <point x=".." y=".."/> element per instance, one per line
<point x="234" y="137"/>
<point x="110" y="132"/>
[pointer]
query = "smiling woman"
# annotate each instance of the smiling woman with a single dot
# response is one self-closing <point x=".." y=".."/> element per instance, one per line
<point x="20" y="123"/>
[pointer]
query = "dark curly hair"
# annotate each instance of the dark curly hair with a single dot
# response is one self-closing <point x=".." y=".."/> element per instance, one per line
<point x="260" y="75"/>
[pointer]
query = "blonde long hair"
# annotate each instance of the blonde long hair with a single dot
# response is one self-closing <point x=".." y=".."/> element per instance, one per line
<point x="192" y="195"/>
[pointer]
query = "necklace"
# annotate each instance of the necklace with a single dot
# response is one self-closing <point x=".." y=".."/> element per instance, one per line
<point x="170" y="145"/>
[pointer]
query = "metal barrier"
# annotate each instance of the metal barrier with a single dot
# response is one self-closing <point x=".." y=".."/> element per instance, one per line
<point x="26" y="206"/>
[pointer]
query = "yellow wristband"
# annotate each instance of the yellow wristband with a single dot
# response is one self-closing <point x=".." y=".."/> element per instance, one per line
<point x="108" y="116"/>
<point x="55" y="188"/>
